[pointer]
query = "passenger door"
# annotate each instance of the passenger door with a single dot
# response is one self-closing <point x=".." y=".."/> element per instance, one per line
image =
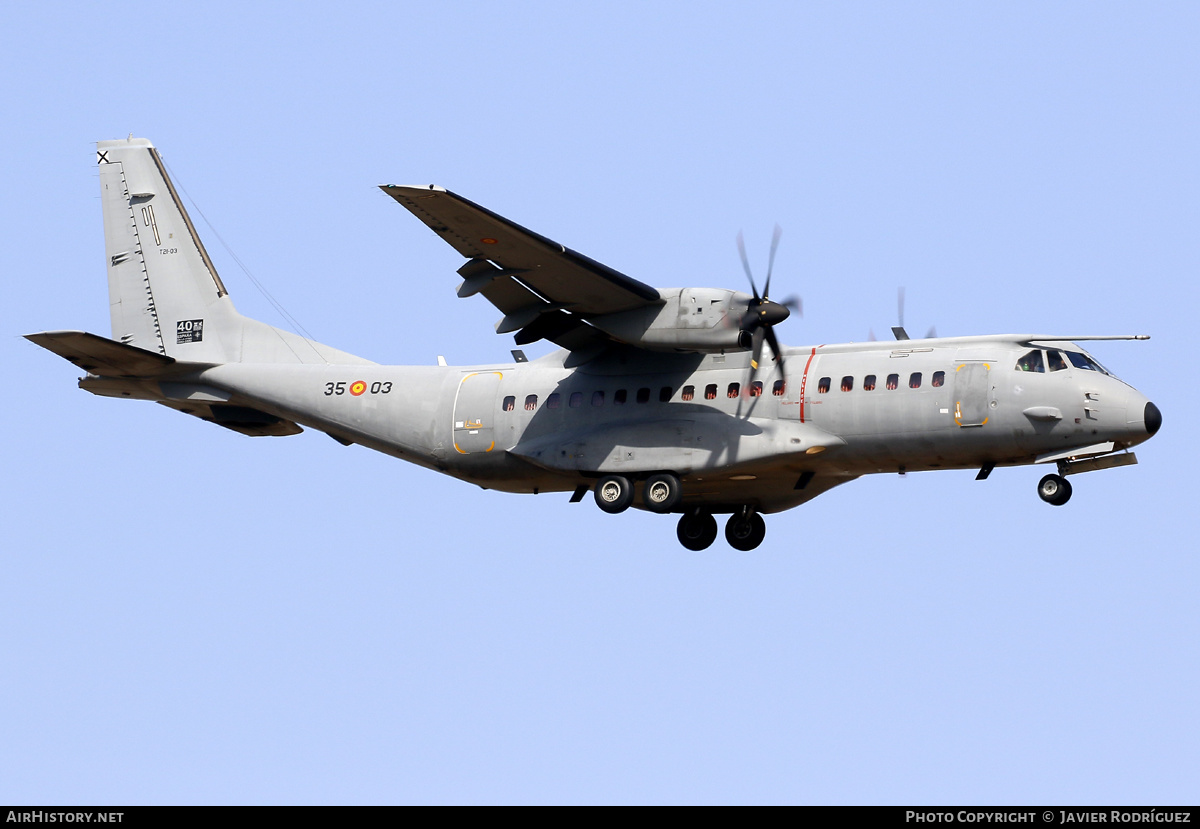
<point x="475" y="413"/>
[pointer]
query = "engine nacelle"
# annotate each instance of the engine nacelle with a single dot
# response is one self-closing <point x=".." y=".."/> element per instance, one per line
<point x="705" y="320"/>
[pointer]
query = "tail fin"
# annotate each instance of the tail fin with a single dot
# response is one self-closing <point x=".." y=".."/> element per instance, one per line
<point x="164" y="292"/>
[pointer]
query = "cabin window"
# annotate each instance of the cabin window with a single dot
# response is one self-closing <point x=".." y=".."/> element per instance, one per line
<point x="554" y="401"/>
<point x="510" y="403"/>
<point x="823" y="386"/>
<point x="576" y="399"/>
<point x="869" y="383"/>
<point x="710" y="391"/>
<point x="531" y="402"/>
<point x="1056" y="361"/>
<point x="756" y="388"/>
<point x="939" y="379"/>
<point x="689" y="392"/>
<point x="597" y="398"/>
<point x="664" y="394"/>
<point x="619" y="397"/>
<point x="1032" y="362"/>
<point x="847" y="383"/>
<point x="893" y="382"/>
<point x="643" y="395"/>
<point x="778" y="388"/>
<point x="914" y="380"/>
<point x="734" y="390"/>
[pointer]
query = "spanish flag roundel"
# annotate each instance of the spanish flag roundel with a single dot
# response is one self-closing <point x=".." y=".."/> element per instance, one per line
<point x="358" y="387"/>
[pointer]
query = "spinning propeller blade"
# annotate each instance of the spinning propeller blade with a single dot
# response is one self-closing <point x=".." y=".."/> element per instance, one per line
<point x="762" y="315"/>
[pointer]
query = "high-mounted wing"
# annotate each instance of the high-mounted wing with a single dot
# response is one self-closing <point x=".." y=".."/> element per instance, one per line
<point x="545" y="290"/>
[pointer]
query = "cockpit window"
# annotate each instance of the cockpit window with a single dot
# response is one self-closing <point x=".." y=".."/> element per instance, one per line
<point x="1085" y="362"/>
<point x="1032" y="362"/>
<point x="1056" y="361"/>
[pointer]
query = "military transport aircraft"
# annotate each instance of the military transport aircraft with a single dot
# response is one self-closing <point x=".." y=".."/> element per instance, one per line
<point x="659" y="398"/>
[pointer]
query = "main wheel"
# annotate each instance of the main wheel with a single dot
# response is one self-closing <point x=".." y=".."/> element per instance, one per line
<point x="662" y="492"/>
<point x="745" y="532"/>
<point x="1054" y="489"/>
<point x="697" y="530"/>
<point x="614" y="494"/>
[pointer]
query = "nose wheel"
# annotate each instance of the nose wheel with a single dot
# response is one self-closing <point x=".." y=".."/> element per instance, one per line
<point x="1055" y="490"/>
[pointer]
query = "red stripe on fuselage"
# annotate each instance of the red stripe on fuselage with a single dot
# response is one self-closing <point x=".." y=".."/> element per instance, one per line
<point x="804" y="381"/>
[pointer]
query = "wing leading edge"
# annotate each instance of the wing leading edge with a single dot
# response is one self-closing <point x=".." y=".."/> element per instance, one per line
<point x="544" y="289"/>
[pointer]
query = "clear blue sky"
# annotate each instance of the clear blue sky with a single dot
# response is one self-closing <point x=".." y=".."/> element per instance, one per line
<point x="191" y="616"/>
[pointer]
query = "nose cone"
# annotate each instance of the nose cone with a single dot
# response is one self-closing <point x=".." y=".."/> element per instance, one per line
<point x="1153" y="418"/>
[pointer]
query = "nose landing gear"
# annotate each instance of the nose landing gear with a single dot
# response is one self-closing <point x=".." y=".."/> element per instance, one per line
<point x="1055" y="490"/>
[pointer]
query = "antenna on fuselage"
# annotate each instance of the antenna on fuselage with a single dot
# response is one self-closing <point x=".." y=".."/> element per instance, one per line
<point x="898" y="330"/>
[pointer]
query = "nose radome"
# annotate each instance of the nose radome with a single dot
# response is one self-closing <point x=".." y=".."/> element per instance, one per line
<point x="1153" y="418"/>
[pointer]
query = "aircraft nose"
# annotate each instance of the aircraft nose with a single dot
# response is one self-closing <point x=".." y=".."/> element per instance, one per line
<point x="1153" y="418"/>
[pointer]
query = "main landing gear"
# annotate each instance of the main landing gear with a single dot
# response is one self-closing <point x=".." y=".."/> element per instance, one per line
<point x="662" y="493"/>
<point x="1054" y="489"/>
<point x="744" y="530"/>
<point x="697" y="530"/>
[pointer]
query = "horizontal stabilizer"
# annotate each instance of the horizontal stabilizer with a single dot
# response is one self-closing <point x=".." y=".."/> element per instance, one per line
<point x="102" y="356"/>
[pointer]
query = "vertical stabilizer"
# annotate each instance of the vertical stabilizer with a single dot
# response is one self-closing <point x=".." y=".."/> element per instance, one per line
<point x="164" y="292"/>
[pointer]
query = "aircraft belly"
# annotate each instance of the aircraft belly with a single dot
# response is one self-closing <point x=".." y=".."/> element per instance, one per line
<point x="704" y="442"/>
